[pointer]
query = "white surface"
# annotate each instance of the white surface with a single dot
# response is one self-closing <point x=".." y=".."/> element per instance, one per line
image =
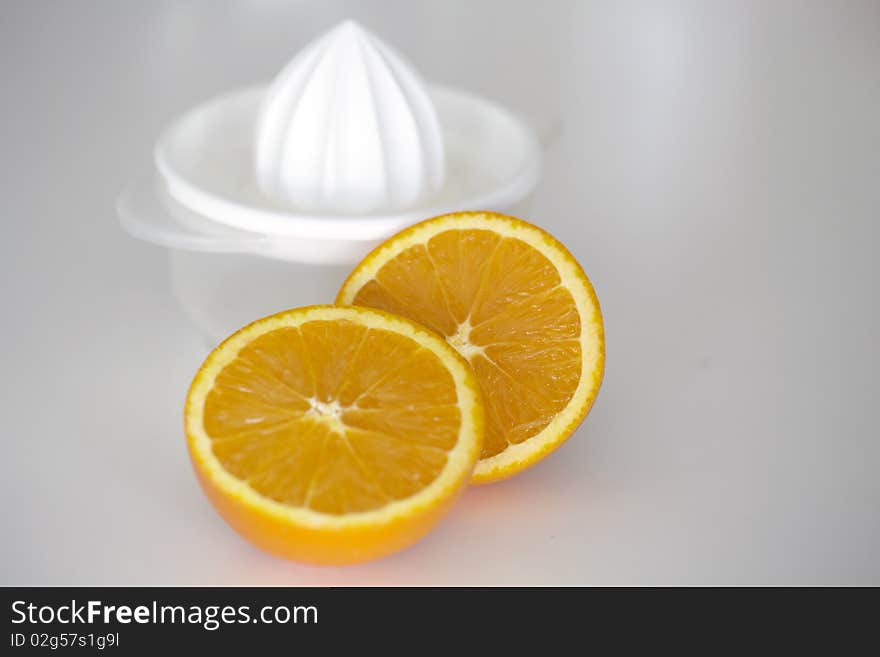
<point x="716" y="171"/>
<point x="348" y="126"/>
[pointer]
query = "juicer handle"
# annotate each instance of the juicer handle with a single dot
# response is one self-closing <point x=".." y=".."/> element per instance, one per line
<point x="147" y="212"/>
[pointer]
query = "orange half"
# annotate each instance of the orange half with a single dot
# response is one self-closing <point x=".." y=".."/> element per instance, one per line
<point x="512" y="301"/>
<point x="333" y="435"/>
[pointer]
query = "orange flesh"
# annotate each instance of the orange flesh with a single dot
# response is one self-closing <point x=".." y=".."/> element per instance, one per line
<point x="500" y="303"/>
<point x="333" y="416"/>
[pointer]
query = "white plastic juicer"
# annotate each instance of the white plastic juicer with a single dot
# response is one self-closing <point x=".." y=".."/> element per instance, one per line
<point x="267" y="196"/>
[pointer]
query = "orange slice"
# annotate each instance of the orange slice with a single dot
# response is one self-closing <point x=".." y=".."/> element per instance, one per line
<point x="515" y="303"/>
<point x="333" y="435"/>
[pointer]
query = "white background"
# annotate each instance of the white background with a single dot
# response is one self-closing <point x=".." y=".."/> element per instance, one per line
<point x="716" y="168"/>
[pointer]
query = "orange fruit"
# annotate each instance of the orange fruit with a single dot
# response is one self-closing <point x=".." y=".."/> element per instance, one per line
<point x="516" y="304"/>
<point x="333" y="435"/>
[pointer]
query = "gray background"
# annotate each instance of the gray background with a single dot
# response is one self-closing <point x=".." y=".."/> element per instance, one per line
<point x="716" y="168"/>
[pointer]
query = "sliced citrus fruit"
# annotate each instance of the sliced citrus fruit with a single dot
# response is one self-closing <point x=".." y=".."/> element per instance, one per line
<point x="515" y="303"/>
<point x="333" y="435"/>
